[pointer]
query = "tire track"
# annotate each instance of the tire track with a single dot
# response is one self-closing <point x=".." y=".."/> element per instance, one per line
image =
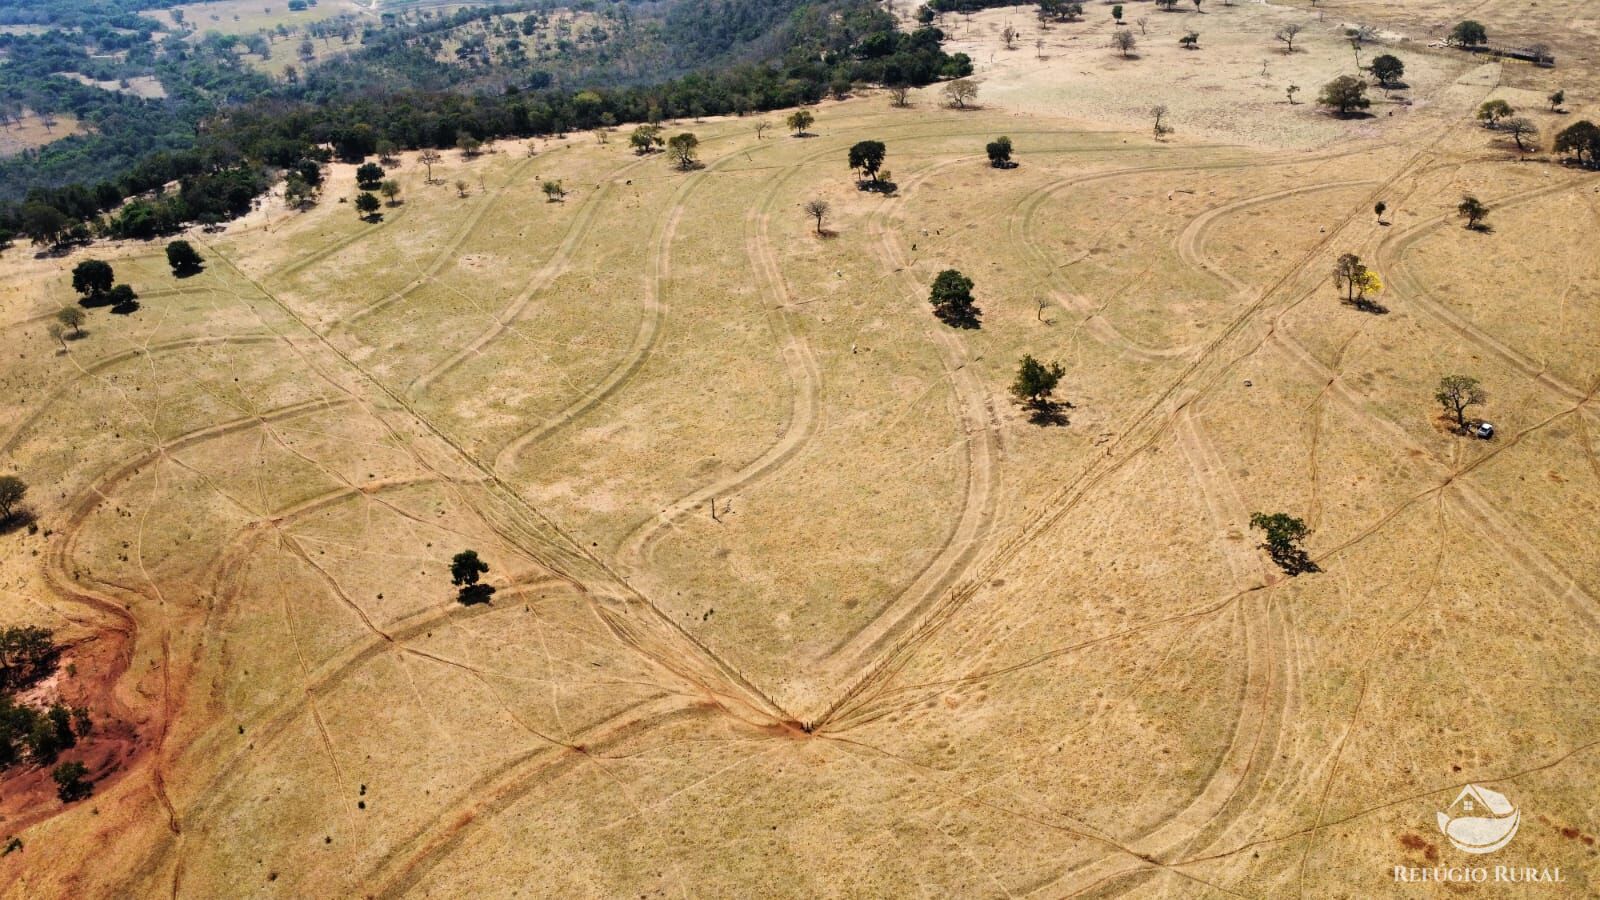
<point x="554" y="268"/>
<point x="1074" y="491"/>
<point x="1391" y="259"/>
<point x="980" y="426"/>
<point x="445" y="256"/>
<point x="798" y="360"/>
<point x="100" y="365"/>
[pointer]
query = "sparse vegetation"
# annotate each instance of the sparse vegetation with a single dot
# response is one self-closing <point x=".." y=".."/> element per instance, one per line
<point x="800" y="121"/>
<point x="1125" y="42"/>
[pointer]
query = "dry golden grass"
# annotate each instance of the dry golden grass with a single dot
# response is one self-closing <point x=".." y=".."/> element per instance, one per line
<point x="924" y="645"/>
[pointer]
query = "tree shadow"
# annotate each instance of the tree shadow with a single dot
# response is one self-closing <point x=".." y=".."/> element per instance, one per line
<point x="21" y="517"/>
<point x="1006" y="164"/>
<point x="878" y="186"/>
<point x="188" y="271"/>
<point x="373" y="218"/>
<point x="1292" y="560"/>
<point x="125" y="308"/>
<point x="1047" y="413"/>
<point x="473" y="594"/>
<point x="95" y="301"/>
<point x="1368" y="305"/>
<point x="1481" y="227"/>
<point x="960" y="318"/>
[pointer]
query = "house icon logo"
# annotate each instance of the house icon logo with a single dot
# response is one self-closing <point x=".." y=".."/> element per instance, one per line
<point x="1480" y="820"/>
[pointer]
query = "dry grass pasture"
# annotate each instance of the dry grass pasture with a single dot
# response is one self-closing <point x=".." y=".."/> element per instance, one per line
<point x="29" y="131"/>
<point x="924" y="646"/>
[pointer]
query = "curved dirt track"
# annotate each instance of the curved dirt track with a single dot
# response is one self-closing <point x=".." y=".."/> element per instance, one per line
<point x="799" y="363"/>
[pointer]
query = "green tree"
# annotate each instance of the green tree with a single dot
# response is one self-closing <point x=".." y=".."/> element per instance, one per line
<point x="183" y="258"/>
<point x="952" y="301"/>
<point x="1125" y="42"/>
<point x="684" y="149"/>
<point x="1457" y="392"/>
<point x="1116" y="13"/>
<point x="1190" y="41"/>
<point x="465" y="570"/>
<point x="646" y="139"/>
<point x="999" y="151"/>
<point x="12" y="490"/>
<point x="868" y="156"/>
<point x="1556" y="99"/>
<point x="1036" y="382"/>
<point x="72" y="317"/>
<point x="799" y="121"/>
<point x="1473" y="210"/>
<point x="553" y="191"/>
<point x="1580" y="139"/>
<point x="1345" y="94"/>
<point x="71" y="781"/>
<point x="390" y="189"/>
<point x="1388" y="69"/>
<point x="43" y="223"/>
<point x="92" y="278"/>
<point x="368" y="176"/>
<point x="1490" y="112"/>
<point x="1468" y="34"/>
<point x="123" y="300"/>
<point x="1283" y="536"/>
<point x="367" y="204"/>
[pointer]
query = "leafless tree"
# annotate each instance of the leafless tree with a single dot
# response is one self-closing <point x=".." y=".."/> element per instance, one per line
<point x="1287" y="34"/>
<point x="428" y="158"/>
<point x="817" y="209"/>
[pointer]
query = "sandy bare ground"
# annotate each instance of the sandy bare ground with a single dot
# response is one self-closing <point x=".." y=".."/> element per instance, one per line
<point x="923" y="646"/>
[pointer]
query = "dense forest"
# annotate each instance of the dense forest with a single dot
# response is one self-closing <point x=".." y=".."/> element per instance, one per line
<point x="226" y="130"/>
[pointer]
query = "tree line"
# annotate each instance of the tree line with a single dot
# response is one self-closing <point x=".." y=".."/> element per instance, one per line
<point x="240" y="148"/>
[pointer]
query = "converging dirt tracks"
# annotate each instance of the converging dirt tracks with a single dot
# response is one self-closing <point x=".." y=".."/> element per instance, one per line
<point x="792" y="597"/>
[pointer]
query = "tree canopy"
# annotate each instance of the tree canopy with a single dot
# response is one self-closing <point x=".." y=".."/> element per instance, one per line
<point x="1345" y="94"/>
<point x="867" y="157"/>
<point x="952" y="301"/>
